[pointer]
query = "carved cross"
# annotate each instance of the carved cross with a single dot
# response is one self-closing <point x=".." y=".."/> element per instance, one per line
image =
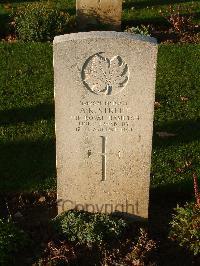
<point x="104" y="157"/>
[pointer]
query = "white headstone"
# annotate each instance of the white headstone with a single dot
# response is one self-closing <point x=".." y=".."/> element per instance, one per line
<point x="104" y="103"/>
<point x="92" y="13"/>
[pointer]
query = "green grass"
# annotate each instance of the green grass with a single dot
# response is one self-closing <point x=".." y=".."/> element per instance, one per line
<point x="27" y="141"/>
<point x="138" y="12"/>
<point x="177" y="76"/>
<point x="27" y="118"/>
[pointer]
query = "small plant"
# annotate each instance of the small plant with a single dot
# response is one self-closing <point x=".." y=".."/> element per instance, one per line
<point x="40" y="22"/>
<point x="180" y="23"/>
<point x="185" y="227"/>
<point x="87" y="228"/>
<point x="12" y="240"/>
<point x="142" y="249"/>
<point x="143" y="30"/>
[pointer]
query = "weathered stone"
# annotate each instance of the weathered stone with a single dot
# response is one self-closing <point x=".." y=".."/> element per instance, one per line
<point x="104" y="102"/>
<point x="92" y="14"/>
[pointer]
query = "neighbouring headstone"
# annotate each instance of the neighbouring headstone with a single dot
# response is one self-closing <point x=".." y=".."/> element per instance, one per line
<point x="104" y="103"/>
<point x="92" y="14"/>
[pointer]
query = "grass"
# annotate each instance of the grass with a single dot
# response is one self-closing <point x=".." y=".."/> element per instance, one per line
<point x="27" y="140"/>
<point x="148" y="12"/>
<point x="175" y="158"/>
<point x="27" y="117"/>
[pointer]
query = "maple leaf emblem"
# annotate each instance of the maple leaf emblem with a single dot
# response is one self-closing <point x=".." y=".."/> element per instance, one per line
<point x="105" y="76"/>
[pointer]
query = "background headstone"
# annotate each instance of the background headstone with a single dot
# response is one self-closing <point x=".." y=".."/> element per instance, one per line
<point x="104" y="103"/>
<point x="93" y="13"/>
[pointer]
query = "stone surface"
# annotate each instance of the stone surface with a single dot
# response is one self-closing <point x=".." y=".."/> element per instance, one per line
<point x="104" y="103"/>
<point x="92" y="13"/>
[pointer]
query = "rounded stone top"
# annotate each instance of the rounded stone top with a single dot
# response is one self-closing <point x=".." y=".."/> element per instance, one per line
<point x="104" y="35"/>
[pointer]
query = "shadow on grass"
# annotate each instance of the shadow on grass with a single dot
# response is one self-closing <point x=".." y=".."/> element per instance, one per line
<point x="4" y="22"/>
<point x="26" y="114"/>
<point x="164" y="198"/>
<point x="27" y="165"/>
<point x="70" y="10"/>
<point x="144" y="4"/>
<point x="185" y="131"/>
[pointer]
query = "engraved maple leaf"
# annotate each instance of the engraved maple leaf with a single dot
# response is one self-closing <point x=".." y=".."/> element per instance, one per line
<point x="104" y="76"/>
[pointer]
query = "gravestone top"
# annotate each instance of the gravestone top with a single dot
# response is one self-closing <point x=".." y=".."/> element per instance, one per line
<point x="104" y="34"/>
<point x="104" y="105"/>
<point x="99" y="14"/>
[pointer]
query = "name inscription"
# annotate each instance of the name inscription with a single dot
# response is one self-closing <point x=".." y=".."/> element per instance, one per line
<point x="105" y="116"/>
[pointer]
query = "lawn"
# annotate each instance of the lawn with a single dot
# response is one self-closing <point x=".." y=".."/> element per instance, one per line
<point x="27" y="117"/>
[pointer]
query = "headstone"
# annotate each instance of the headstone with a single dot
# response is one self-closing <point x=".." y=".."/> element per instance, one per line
<point x="93" y="13"/>
<point x="104" y="104"/>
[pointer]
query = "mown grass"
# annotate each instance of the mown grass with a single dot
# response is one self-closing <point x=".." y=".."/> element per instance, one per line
<point x="27" y="158"/>
<point x="177" y="90"/>
<point x="27" y="141"/>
